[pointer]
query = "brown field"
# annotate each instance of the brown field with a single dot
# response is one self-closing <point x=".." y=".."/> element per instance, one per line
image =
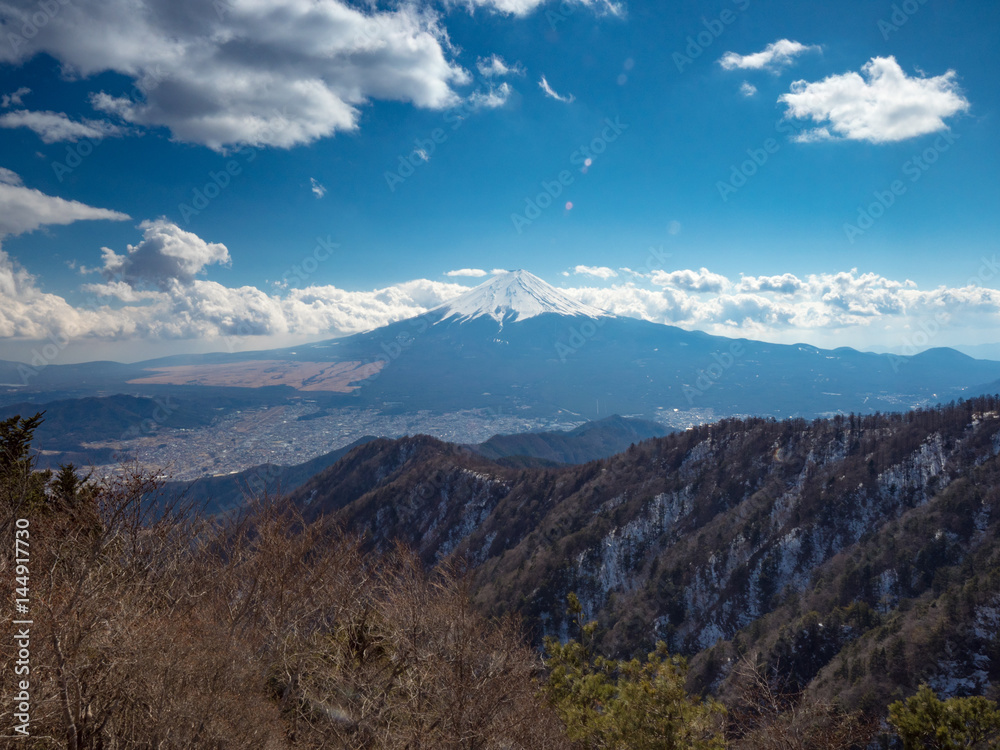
<point x="303" y="376"/>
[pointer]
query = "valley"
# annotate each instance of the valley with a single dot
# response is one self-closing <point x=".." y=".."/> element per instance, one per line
<point x="294" y="434"/>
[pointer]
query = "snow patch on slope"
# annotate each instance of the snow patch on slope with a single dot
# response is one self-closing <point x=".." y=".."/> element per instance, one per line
<point x="513" y="296"/>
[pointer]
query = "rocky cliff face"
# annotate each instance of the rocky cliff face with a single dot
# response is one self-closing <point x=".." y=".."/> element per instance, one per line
<point x="739" y="535"/>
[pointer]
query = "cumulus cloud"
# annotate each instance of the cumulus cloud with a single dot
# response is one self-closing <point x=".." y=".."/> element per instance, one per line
<point x="702" y="280"/>
<point x="28" y="312"/>
<point x="157" y="294"/>
<point x="317" y="189"/>
<point x="24" y="209"/>
<point x="787" y="283"/>
<point x="166" y="254"/>
<point x="774" y="56"/>
<point x="473" y="272"/>
<point x="600" y="272"/>
<point x="207" y="309"/>
<point x="152" y="291"/>
<point x="495" y="66"/>
<point x="14" y="98"/>
<point x="267" y="72"/>
<point x="184" y="307"/>
<point x="787" y="307"/>
<point x="524" y="7"/>
<point x="817" y="307"/>
<point x="10" y="177"/>
<point x="881" y="105"/>
<point x="53" y="127"/>
<point x="747" y="89"/>
<point x="550" y="92"/>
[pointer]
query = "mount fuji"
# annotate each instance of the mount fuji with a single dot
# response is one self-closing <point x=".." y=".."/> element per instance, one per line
<point x="517" y="344"/>
<point x="513" y="296"/>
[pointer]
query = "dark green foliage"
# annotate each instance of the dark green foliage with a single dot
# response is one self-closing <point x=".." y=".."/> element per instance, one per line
<point x="22" y="489"/>
<point x="640" y="705"/>
<point x="925" y="722"/>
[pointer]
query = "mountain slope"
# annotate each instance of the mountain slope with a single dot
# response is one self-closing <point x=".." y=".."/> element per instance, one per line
<point x="513" y="296"/>
<point x="587" y="442"/>
<point x="726" y="532"/>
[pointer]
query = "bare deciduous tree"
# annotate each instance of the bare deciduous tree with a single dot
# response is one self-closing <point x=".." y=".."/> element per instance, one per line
<point x="766" y="717"/>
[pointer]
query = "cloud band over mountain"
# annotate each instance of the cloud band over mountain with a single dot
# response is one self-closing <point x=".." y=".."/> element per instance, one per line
<point x="154" y="290"/>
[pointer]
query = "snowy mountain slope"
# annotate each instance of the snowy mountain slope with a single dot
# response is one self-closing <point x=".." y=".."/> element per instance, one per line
<point x="513" y="296"/>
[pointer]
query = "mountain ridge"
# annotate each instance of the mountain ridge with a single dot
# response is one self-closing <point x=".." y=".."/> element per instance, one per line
<point x="701" y="538"/>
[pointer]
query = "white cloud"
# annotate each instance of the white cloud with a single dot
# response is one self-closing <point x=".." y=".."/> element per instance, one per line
<point x="816" y="135"/>
<point x="774" y="56"/>
<point x="524" y="7"/>
<point x="473" y="272"/>
<point x="53" y="127"/>
<point x="317" y="189"/>
<point x="28" y="312"/>
<point x="207" y="309"/>
<point x="493" y="97"/>
<point x="182" y="306"/>
<point x="24" y="209"/>
<point x="747" y="89"/>
<point x="885" y="105"/>
<point x="166" y="254"/>
<point x="846" y="308"/>
<point x="551" y="93"/>
<point x="495" y="66"/>
<point x="260" y="72"/>
<point x="600" y="272"/>
<point x="10" y="177"/>
<point x="787" y="283"/>
<point x="697" y="281"/>
<point x="14" y="98"/>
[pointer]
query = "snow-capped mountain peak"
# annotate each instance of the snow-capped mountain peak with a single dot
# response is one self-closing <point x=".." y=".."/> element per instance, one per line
<point x="512" y="296"/>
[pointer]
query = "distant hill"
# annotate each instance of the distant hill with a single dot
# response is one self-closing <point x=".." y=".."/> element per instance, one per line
<point x="590" y="441"/>
<point x="858" y="554"/>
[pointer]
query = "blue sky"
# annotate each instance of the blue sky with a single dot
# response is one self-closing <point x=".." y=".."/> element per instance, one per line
<point x="368" y="151"/>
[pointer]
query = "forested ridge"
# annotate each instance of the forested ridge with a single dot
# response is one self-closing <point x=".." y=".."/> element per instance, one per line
<point x="747" y="584"/>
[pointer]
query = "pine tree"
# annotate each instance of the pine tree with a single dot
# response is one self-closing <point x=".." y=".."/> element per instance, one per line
<point x="22" y="489"/>
<point x="640" y="705"/>
<point x="925" y="722"/>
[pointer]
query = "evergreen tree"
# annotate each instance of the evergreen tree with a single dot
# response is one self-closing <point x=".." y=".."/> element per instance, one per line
<point x="627" y="704"/>
<point x="21" y="488"/>
<point x="925" y="722"/>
